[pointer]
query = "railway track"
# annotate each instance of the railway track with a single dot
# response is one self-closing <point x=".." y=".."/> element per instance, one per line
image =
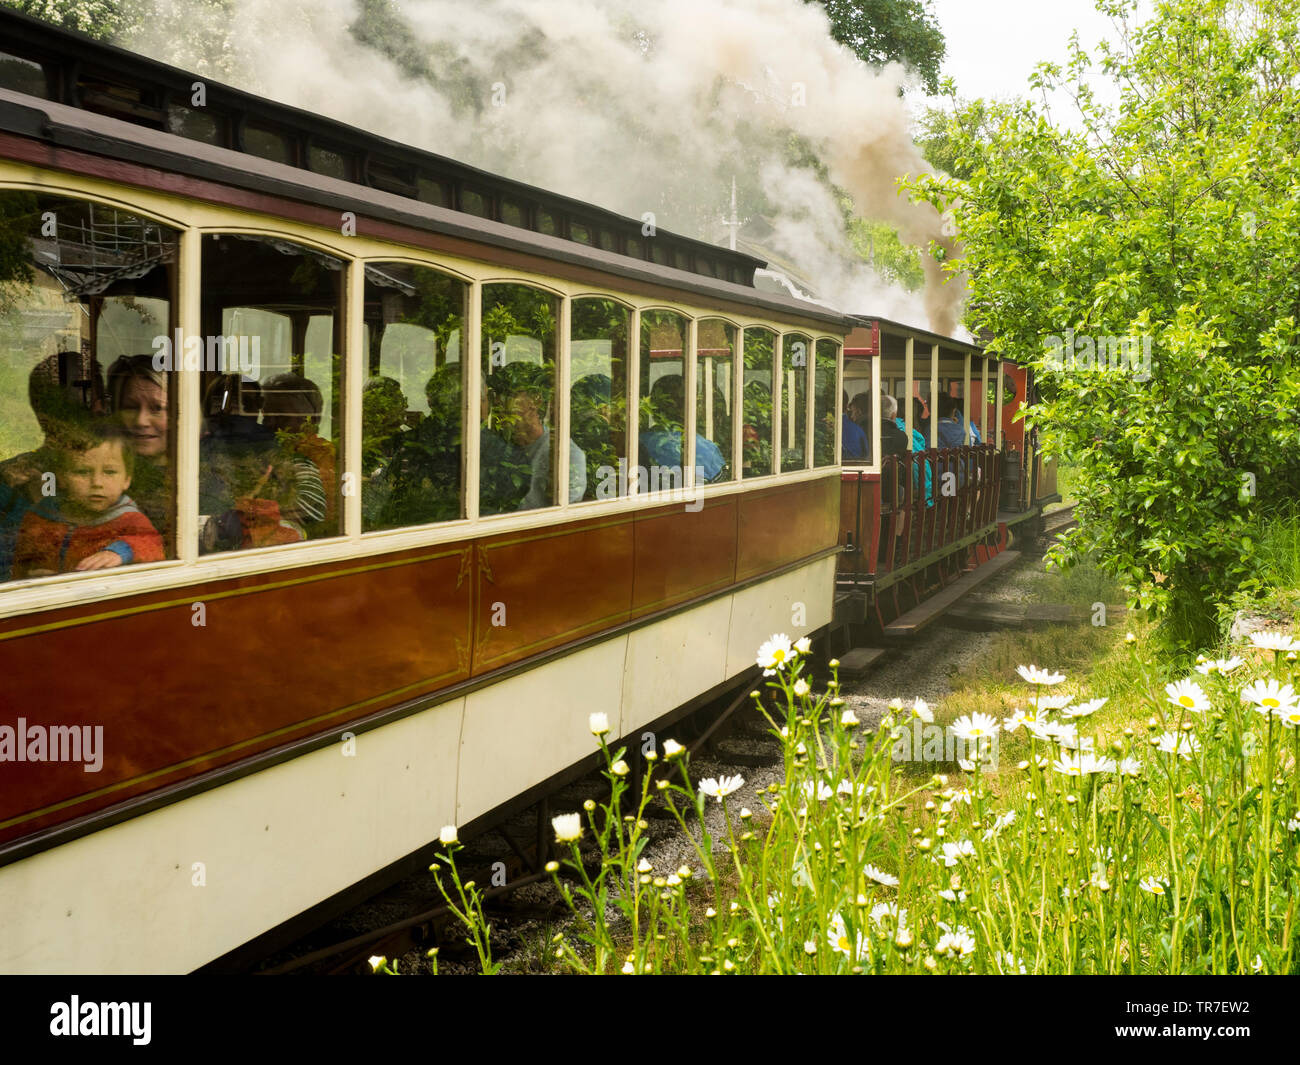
<point x="1058" y="521"/>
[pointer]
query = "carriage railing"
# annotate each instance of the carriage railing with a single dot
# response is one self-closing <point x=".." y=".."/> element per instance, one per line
<point x="922" y="515"/>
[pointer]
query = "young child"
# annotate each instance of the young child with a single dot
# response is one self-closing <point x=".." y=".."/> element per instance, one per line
<point x="90" y="523"/>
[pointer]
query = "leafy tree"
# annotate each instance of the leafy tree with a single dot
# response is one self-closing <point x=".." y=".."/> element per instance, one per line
<point x="878" y="31"/>
<point x="1173" y="219"/>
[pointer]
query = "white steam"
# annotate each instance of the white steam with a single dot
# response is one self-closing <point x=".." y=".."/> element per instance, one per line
<point x="636" y="105"/>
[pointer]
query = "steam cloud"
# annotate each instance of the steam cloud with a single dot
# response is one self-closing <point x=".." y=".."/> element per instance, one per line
<point x="635" y="105"/>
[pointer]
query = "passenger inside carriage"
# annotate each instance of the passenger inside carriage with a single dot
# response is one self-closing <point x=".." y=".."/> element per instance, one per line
<point x="137" y="394"/>
<point x="90" y="523"/>
<point x="856" y="428"/>
<point x="254" y="490"/>
<point x="291" y="410"/>
<point x="527" y="421"/>
<point x="65" y="391"/>
<point x="661" y="445"/>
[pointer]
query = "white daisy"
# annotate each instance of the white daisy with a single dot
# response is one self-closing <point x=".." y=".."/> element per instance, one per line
<point x="1184" y="745"/>
<point x="599" y="724"/>
<point x="1187" y="695"/>
<point x="838" y="936"/>
<point x="1085" y="709"/>
<point x="673" y="749"/>
<point x="803" y="645"/>
<point x="952" y="896"/>
<point x="1268" y="695"/>
<point x="879" y="876"/>
<point x="922" y="710"/>
<point x="974" y="726"/>
<point x="1156" y="885"/>
<point x="1034" y="675"/>
<point x="1002" y="822"/>
<point x="1289" y="716"/>
<point x="775" y="654"/>
<point x="1018" y="718"/>
<point x="848" y="719"/>
<point x="956" y="944"/>
<point x="882" y="910"/>
<point x="719" y="789"/>
<point x="1130" y="767"/>
<point x="448" y="835"/>
<point x="848" y="787"/>
<point x="818" y="790"/>
<point x="1274" y="641"/>
<point x="568" y="827"/>
<point x="1083" y="765"/>
<point x="801" y="688"/>
<point x="952" y="852"/>
<point x="1054" y="702"/>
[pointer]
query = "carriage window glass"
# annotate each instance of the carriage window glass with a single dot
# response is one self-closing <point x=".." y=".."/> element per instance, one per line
<point x="635" y="248"/>
<point x="413" y="405"/>
<point x="714" y="369"/>
<point x="271" y="315"/>
<point x="606" y="240"/>
<point x="434" y="192"/>
<point x="87" y="447"/>
<point x="546" y="223"/>
<point x="196" y="124"/>
<point x="824" y="402"/>
<point x="658" y="253"/>
<point x="329" y="162"/>
<point x="598" y="393"/>
<point x="23" y="75"/>
<point x="517" y="446"/>
<point x="267" y="144"/>
<point x="514" y="214"/>
<point x="474" y="202"/>
<point x="579" y="232"/>
<point x="661" y="401"/>
<point x="760" y="346"/>
<point x="796" y="351"/>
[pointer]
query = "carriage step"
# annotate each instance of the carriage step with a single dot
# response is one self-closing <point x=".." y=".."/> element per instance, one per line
<point x="932" y="609"/>
<point x="858" y="661"/>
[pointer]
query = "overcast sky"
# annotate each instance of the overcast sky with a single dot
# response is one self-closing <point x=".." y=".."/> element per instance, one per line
<point x="994" y="45"/>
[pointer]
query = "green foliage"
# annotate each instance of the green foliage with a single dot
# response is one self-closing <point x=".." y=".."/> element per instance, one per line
<point x="878" y="31"/>
<point x="1174" y="219"/>
<point x="878" y="243"/>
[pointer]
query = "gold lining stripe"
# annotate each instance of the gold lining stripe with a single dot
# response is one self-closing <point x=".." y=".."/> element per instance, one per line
<point x="165" y="770"/>
<point x="90" y="619"/>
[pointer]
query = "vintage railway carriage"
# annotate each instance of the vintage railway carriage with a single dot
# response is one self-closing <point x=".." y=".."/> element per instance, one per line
<point x="386" y="450"/>
<point x="927" y="513"/>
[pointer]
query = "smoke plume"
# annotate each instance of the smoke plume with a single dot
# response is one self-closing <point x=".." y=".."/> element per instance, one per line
<point x="636" y="105"/>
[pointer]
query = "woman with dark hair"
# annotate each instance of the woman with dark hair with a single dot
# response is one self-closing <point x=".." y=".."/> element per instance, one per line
<point x="137" y="394"/>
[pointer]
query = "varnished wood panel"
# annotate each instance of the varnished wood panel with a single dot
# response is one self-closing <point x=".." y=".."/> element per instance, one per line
<point x="682" y="554"/>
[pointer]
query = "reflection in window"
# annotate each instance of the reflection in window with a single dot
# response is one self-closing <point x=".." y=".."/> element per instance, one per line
<point x="662" y="409"/>
<point x="824" y="403"/>
<point x="86" y="442"/>
<point x="598" y="393"/>
<point x="413" y="403"/>
<point x="517" y="452"/>
<point x="714" y="370"/>
<point x="796" y="350"/>
<point x="268" y="447"/>
<point x="760" y="347"/>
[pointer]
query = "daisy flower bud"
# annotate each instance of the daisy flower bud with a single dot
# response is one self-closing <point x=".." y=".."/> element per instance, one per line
<point x="448" y="835"/>
<point x="599" y="724"/>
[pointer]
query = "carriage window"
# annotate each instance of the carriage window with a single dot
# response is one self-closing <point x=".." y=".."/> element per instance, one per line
<point x="760" y="346"/>
<point x="87" y="450"/>
<point x="269" y="441"/>
<point x="635" y="248"/>
<point x="579" y="232"/>
<point x="546" y="223"/>
<point x="662" y="403"/>
<point x="514" y="214"/>
<point x="268" y="144"/>
<point x="434" y="192"/>
<point x="413" y="403"/>
<point x="796" y="351"/>
<point x="517" y="448"/>
<point x="197" y="124"/>
<point x="329" y="162"/>
<point x="474" y="202"/>
<point x="714" y="370"/>
<point x="598" y="393"/>
<point x="23" y="75"/>
<point x="824" y="403"/>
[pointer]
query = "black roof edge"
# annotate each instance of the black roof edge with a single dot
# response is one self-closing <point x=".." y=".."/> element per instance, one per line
<point x="113" y="138"/>
<point x="77" y="44"/>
